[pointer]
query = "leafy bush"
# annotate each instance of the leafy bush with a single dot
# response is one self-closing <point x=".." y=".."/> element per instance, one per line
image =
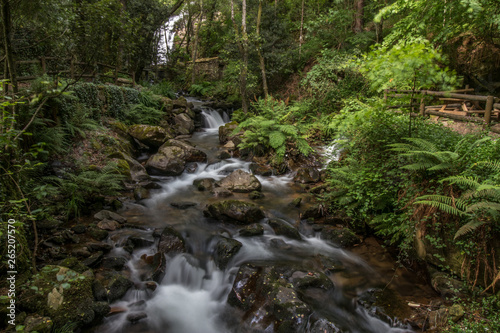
<point x="142" y="114"/>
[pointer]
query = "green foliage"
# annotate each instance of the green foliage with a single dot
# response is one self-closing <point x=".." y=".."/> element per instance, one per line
<point x="482" y="315"/>
<point x="203" y="89"/>
<point x="163" y="88"/>
<point x="142" y="114"/>
<point x="272" y="129"/>
<point x="413" y="64"/>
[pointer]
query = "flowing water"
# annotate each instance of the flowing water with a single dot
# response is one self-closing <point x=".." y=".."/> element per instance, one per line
<point x="192" y="296"/>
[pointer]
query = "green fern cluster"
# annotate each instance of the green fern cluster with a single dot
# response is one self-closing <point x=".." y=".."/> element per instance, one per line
<point x="262" y="134"/>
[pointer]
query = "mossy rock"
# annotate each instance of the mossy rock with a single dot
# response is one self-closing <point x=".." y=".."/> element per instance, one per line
<point x="235" y="211"/>
<point x="340" y="236"/>
<point x="152" y="136"/>
<point x="283" y="228"/>
<point x="225" y="250"/>
<point x="61" y="294"/>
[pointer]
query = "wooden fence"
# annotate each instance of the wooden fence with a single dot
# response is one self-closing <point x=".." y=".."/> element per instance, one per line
<point x="456" y="104"/>
<point x="69" y="67"/>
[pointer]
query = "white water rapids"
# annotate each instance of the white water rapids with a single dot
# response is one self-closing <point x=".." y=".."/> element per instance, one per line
<point x="192" y="296"/>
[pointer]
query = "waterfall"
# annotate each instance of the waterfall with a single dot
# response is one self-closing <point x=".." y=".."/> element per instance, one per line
<point x="212" y="119"/>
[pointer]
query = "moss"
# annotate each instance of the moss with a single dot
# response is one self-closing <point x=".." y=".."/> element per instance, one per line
<point x="60" y="293"/>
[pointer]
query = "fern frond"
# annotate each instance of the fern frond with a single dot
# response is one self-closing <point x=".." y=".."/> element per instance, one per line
<point x="276" y="139"/>
<point x="484" y="205"/>
<point x="444" y="203"/>
<point x="494" y="165"/>
<point x="469" y="227"/>
<point x="462" y="180"/>
<point x="474" y="145"/>
<point x="423" y="144"/>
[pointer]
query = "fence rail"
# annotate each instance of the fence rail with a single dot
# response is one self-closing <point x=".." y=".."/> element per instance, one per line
<point x="454" y="104"/>
<point x="77" y="69"/>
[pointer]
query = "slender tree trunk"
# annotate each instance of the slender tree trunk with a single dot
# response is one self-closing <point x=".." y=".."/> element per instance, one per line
<point x="244" y="69"/>
<point x="7" y="43"/>
<point x="359" y="22"/>
<point x="301" y="38"/>
<point x="243" y="48"/>
<point x="195" y="46"/>
<point x="261" y="58"/>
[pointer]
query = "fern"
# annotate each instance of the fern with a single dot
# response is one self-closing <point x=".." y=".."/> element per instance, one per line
<point x="468" y="227"/>
<point x="447" y="204"/>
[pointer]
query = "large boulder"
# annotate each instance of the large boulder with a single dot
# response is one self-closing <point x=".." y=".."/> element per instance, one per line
<point x="341" y="236"/>
<point x="283" y="228"/>
<point x="234" y="211"/>
<point x="191" y="154"/>
<point x="172" y="157"/>
<point x="225" y="250"/>
<point x="61" y="294"/>
<point x="185" y="125"/>
<point x="171" y="242"/>
<point x="226" y="132"/>
<point x="152" y="136"/>
<point x="170" y="162"/>
<point x="240" y="181"/>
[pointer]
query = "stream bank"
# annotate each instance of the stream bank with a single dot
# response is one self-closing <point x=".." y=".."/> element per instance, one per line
<point x="215" y="246"/>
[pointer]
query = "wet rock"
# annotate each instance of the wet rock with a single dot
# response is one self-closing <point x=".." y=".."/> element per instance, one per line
<point x="101" y="309"/>
<point x="94" y="259"/>
<point x="303" y="280"/>
<point x="106" y="214"/>
<point x="79" y="229"/>
<point x="73" y="264"/>
<point x="296" y="202"/>
<point x="169" y="162"/>
<point x="256" y="195"/>
<point x="151" y="185"/>
<point x="282" y="228"/>
<point x="138" y="242"/>
<point x="315" y="212"/>
<point x="230" y="145"/>
<point x="183" y="204"/>
<point x="234" y="211"/>
<point x="150" y="285"/>
<point x="109" y="225"/>
<point x="341" y="236"/>
<point x="81" y="252"/>
<point x="61" y="294"/>
<point x="329" y="265"/>
<point x="225" y="250"/>
<point x="191" y="167"/>
<point x="116" y="263"/>
<point x="99" y="292"/>
<point x="140" y="193"/>
<point x="98" y="234"/>
<point x="307" y="176"/>
<point x="252" y="230"/>
<point x="226" y="132"/>
<point x="104" y="247"/>
<point x="181" y="102"/>
<point x="152" y="136"/>
<point x="266" y="296"/>
<point x="153" y="267"/>
<point x="139" y="305"/>
<point x="171" y="242"/>
<point x="135" y="317"/>
<point x="38" y="324"/>
<point x="185" y="125"/>
<point x="204" y="184"/>
<point x="118" y="287"/>
<point x="240" y="181"/>
<point x="261" y="170"/>
<point x="224" y="154"/>
<point x="279" y="244"/>
<point x="191" y="154"/>
<point x="220" y="192"/>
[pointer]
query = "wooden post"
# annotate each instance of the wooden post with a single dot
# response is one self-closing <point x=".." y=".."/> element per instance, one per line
<point x="489" y="107"/>
<point x="44" y="65"/>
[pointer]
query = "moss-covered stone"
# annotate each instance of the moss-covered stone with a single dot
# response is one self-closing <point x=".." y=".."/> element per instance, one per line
<point x="225" y="250"/>
<point x="152" y="136"/>
<point x="61" y="294"/>
<point x="235" y="211"/>
<point x="341" y="236"/>
<point x="282" y="228"/>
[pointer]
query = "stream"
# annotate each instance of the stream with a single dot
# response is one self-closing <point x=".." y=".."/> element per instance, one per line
<point x="192" y="296"/>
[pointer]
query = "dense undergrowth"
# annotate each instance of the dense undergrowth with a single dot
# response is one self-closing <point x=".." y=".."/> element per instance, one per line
<point x="56" y="144"/>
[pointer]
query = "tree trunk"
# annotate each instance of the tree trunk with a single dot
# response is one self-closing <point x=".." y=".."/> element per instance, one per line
<point x="261" y="58"/>
<point x="358" y="23"/>
<point x="7" y="43"/>
<point x="301" y="38"/>
<point x="244" y="68"/>
<point x="195" y="46"/>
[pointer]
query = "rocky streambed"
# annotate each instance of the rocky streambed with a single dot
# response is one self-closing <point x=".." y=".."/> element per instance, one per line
<point x="214" y="243"/>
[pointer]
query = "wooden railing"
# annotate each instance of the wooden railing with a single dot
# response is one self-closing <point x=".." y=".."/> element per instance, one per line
<point x="69" y="67"/>
<point x="454" y="104"/>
